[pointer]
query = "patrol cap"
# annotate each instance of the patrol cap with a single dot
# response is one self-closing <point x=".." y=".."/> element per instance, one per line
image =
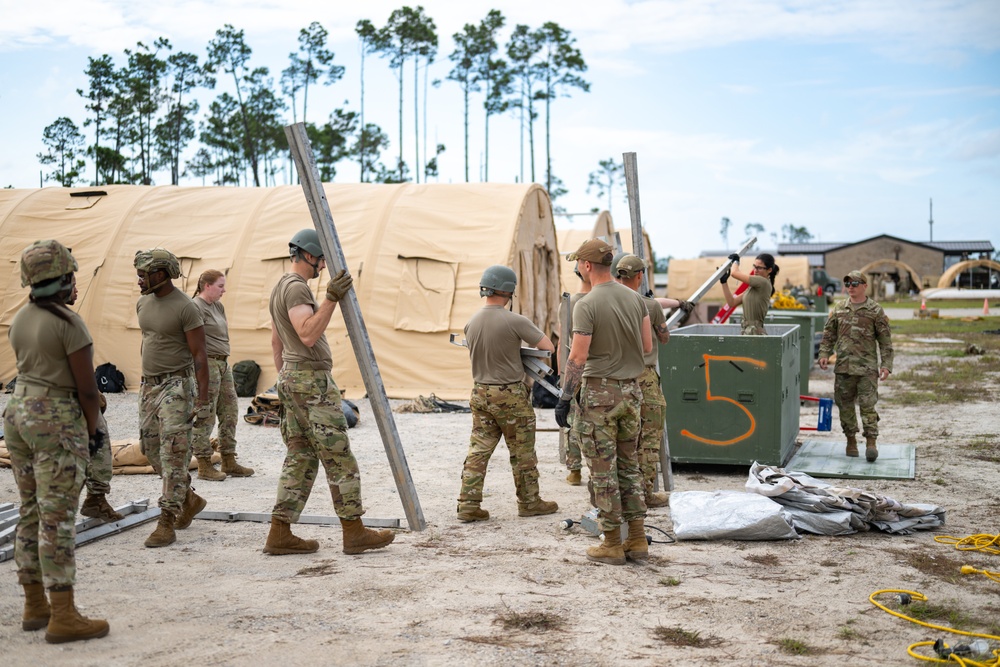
<point x="157" y="258"/>
<point x="45" y="260"/>
<point x="594" y="250"/>
<point x="630" y="266"/>
<point x="856" y="275"/>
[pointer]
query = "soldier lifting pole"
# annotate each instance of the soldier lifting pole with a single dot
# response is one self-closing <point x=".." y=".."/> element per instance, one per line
<point x="319" y="208"/>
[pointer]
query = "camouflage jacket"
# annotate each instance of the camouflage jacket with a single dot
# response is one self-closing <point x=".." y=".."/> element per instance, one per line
<point x="857" y="335"/>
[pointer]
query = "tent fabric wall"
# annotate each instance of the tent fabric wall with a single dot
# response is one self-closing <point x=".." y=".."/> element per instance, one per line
<point x="416" y="252"/>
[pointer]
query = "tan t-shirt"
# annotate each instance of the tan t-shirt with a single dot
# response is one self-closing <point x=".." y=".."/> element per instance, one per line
<point x="164" y="322"/>
<point x="656" y="318"/>
<point x="292" y="290"/>
<point x="42" y="344"/>
<point x="612" y="314"/>
<point x="494" y="336"/>
<point x="216" y="327"/>
<point x="757" y="301"/>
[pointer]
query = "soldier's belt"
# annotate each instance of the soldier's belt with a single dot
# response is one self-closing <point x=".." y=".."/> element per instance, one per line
<point x="21" y="389"/>
<point x="306" y="366"/>
<point x="600" y="382"/>
<point x="218" y="357"/>
<point x="163" y="377"/>
<point x="499" y="384"/>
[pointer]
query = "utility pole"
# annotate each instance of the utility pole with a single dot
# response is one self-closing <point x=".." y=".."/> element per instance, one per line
<point x="931" y="221"/>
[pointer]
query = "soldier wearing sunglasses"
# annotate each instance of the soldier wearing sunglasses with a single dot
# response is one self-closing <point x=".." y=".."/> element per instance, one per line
<point x="858" y="332"/>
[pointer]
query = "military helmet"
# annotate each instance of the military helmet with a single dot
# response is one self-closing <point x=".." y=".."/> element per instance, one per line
<point x="308" y="240"/>
<point x="45" y="260"/>
<point x="497" y="278"/>
<point x="155" y="259"/>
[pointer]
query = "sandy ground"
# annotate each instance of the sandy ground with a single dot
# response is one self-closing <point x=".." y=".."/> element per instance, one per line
<point x="463" y="593"/>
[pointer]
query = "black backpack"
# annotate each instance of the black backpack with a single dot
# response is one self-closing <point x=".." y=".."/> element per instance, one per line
<point x="110" y="380"/>
<point x="245" y="376"/>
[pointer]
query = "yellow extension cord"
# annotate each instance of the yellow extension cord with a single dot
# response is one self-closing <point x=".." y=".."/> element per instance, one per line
<point x="981" y="542"/>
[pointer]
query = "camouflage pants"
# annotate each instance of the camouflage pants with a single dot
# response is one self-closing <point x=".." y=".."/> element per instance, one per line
<point x="47" y="440"/>
<point x="574" y="459"/>
<point x="223" y="402"/>
<point x="863" y="389"/>
<point x="166" y="412"/>
<point x="501" y="410"/>
<point x="315" y="431"/>
<point x="99" y="470"/>
<point x="752" y="329"/>
<point x="653" y="421"/>
<point x="608" y="428"/>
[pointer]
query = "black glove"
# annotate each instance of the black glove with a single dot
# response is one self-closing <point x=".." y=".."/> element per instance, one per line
<point x="97" y="441"/>
<point x="724" y="277"/>
<point x="649" y="294"/>
<point x="735" y="257"/>
<point x="562" y="413"/>
<point x="687" y="306"/>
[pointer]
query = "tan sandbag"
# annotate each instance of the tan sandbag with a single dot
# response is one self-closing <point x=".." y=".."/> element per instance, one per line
<point x="127" y="458"/>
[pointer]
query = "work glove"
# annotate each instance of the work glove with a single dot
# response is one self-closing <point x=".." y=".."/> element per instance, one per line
<point x="339" y="285"/>
<point x="104" y="402"/>
<point x="724" y="278"/>
<point x="687" y="306"/>
<point x="562" y="412"/>
<point x="98" y="440"/>
<point x="202" y="411"/>
<point x="735" y="257"/>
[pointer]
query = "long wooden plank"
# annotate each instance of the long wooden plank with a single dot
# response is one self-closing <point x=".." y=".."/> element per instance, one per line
<point x="319" y="208"/>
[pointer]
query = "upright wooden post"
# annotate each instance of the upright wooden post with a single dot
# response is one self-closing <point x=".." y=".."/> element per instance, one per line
<point x="319" y="208"/>
<point x="639" y="250"/>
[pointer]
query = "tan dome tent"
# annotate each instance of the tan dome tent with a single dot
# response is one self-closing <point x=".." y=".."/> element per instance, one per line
<point x="570" y="238"/>
<point x="416" y="252"/>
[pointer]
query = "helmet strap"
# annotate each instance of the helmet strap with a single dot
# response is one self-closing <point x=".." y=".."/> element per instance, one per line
<point x="150" y="289"/>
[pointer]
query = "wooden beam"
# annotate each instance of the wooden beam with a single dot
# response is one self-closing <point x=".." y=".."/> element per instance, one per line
<point x="319" y="208"/>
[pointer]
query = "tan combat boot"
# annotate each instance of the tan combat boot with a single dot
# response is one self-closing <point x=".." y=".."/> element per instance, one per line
<point x="610" y="551"/>
<point x="636" y="547"/>
<point x="657" y="499"/>
<point x="207" y="471"/>
<point x="574" y="478"/>
<point x="193" y="503"/>
<point x="234" y="469"/>
<point x="164" y="533"/>
<point x="281" y="542"/>
<point x="469" y="513"/>
<point x="852" y="445"/>
<point x="36" y="607"/>
<point x="871" y="451"/>
<point x="96" y="507"/>
<point x="66" y="623"/>
<point x="537" y="508"/>
<point x="357" y="538"/>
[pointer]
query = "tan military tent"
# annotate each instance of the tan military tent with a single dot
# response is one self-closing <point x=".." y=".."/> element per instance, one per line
<point x="416" y="251"/>
<point x="570" y="238"/>
<point x="687" y="275"/>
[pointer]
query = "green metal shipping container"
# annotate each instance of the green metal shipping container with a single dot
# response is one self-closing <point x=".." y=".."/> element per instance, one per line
<point x="731" y="399"/>
<point x="809" y="322"/>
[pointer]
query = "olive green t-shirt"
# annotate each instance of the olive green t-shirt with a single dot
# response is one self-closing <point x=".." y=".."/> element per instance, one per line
<point x="42" y="344"/>
<point x="292" y="290"/>
<point x="757" y="301"/>
<point x="612" y="315"/>
<point x="656" y="318"/>
<point x="216" y="327"/>
<point x="164" y="322"/>
<point x="494" y="336"/>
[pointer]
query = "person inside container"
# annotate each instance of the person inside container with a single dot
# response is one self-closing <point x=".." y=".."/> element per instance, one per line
<point x="756" y="300"/>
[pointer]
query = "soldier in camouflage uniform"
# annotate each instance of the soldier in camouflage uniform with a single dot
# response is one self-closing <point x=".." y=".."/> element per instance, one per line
<point x="500" y="403"/>
<point x="51" y="430"/>
<point x="611" y="333"/>
<point x="99" y="469"/>
<point x="174" y="391"/>
<point x="222" y="401"/>
<point x="858" y="332"/>
<point x="628" y="270"/>
<point x="312" y="421"/>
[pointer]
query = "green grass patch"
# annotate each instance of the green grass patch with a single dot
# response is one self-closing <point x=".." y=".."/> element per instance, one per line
<point x="985" y="447"/>
<point x="794" y="646"/>
<point x="535" y="621"/>
<point x="678" y="636"/>
<point x="950" y="381"/>
<point x="669" y="581"/>
<point x="950" y="326"/>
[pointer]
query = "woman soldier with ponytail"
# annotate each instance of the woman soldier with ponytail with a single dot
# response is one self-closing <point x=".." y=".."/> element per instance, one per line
<point x="757" y="299"/>
<point x="51" y="429"/>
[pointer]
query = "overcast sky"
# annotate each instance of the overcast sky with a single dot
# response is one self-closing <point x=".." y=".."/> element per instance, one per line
<point x="845" y="117"/>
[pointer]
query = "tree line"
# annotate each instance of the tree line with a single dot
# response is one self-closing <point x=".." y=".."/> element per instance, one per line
<point x="144" y="113"/>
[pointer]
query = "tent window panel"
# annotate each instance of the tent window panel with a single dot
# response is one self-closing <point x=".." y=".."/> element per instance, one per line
<point x="426" y="295"/>
<point x="182" y="283"/>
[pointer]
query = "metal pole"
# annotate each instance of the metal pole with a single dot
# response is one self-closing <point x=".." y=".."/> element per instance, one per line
<point x="319" y="208"/>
